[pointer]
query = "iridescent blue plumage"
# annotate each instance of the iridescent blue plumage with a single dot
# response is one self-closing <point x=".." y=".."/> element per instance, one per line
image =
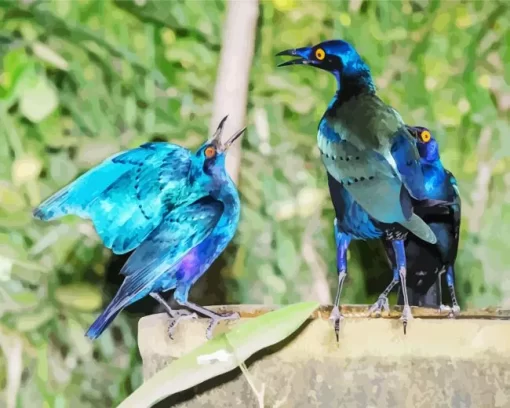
<point x="178" y="209"/>
<point x="126" y="195"/>
<point x="426" y="262"/>
<point x="371" y="159"/>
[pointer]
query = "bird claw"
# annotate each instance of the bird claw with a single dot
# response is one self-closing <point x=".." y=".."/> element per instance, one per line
<point x="381" y="303"/>
<point x="217" y="319"/>
<point x="453" y="312"/>
<point x="406" y="316"/>
<point x="336" y="317"/>
<point x="177" y="317"/>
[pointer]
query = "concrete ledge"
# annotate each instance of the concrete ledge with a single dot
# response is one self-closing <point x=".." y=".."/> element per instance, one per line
<point x="440" y="363"/>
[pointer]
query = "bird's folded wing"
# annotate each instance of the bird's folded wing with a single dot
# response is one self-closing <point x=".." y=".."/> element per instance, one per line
<point x="374" y="180"/>
<point x="180" y="231"/>
<point x="369" y="178"/>
<point x="126" y="195"/>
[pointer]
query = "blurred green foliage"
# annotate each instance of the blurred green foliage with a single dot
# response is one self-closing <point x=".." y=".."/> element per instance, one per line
<point x="81" y="80"/>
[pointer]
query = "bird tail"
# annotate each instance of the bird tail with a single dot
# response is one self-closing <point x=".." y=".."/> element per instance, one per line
<point x="419" y="228"/>
<point x="104" y="320"/>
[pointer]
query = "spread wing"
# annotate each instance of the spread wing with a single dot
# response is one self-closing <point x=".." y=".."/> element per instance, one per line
<point x="126" y="195"/>
<point x="181" y="230"/>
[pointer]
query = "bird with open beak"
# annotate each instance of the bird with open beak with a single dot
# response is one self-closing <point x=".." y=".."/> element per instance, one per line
<point x="178" y="210"/>
<point x="371" y="159"/>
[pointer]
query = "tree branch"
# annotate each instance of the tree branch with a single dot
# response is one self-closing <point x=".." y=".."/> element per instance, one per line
<point x="231" y="91"/>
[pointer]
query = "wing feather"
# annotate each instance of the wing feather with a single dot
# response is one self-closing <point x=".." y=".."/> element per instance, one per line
<point x="374" y="158"/>
<point x="181" y="230"/>
<point x="126" y="195"/>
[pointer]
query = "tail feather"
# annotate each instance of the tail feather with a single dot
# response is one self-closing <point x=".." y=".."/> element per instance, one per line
<point x="104" y="320"/>
<point x="420" y="228"/>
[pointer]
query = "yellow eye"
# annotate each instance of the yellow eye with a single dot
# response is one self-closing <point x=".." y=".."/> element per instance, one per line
<point x="210" y="152"/>
<point x="320" y="54"/>
<point x="425" y="136"/>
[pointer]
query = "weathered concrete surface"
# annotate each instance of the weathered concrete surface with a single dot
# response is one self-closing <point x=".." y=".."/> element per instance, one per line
<point x="460" y="363"/>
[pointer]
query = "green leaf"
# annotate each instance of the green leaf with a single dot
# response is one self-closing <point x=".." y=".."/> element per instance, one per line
<point x="287" y="257"/>
<point x="39" y="101"/>
<point x="221" y="354"/>
<point x="48" y="55"/>
<point x="25" y="298"/>
<point x="34" y="320"/>
<point x="79" y="296"/>
<point x="62" y="169"/>
<point x="10" y="200"/>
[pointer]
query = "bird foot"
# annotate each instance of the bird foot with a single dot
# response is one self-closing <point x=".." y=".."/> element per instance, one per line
<point x="379" y="305"/>
<point x="406" y="316"/>
<point x="453" y="312"/>
<point x="336" y="317"/>
<point x="179" y="315"/>
<point x="217" y="319"/>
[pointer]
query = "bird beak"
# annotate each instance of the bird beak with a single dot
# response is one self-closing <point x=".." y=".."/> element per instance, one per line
<point x="216" y="137"/>
<point x="303" y="55"/>
<point x="414" y="131"/>
<point x="232" y="139"/>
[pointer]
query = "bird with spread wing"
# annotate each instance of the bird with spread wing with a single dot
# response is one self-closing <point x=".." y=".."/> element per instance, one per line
<point x="176" y="209"/>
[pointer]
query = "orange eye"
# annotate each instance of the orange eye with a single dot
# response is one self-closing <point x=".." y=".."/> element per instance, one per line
<point x="320" y="54"/>
<point x="425" y="136"/>
<point x="210" y="152"/>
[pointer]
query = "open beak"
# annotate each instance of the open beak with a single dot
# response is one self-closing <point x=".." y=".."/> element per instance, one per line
<point x="303" y="55"/>
<point x="230" y="141"/>
<point x="216" y="137"/>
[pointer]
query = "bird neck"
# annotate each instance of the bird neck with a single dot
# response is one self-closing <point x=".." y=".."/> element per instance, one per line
<point x="354" y="82"/>
<point x="227" y="194"/>
<point x="434" y="174"/>
<point x="433" y="165"/>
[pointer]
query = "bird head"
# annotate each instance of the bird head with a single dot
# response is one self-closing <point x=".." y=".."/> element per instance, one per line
<point x="335" y="56"/>
<point x="210" y="157"/>
<point x="428" y="147"/>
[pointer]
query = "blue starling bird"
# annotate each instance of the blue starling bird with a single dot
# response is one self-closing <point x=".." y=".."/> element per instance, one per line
<point x="372" y="161"/>
<point x="178" y="210"/>
<point x="426" y="262"/>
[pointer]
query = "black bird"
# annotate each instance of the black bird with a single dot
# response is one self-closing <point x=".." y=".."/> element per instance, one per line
<point x="427" y="262"/>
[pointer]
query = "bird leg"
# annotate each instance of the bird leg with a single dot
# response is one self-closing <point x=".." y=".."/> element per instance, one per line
<point x="342" y="243"/>
<point x="440" y="279"/>
<point x="454" y="310"/>
<point x="382" y="302"/>
<point x="215" y="317"/>
<point x="400" y="257"/>
<point x="175" y="315"/>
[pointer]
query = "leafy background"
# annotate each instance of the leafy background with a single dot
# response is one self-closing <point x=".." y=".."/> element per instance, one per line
<point x="81" y="80"/>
